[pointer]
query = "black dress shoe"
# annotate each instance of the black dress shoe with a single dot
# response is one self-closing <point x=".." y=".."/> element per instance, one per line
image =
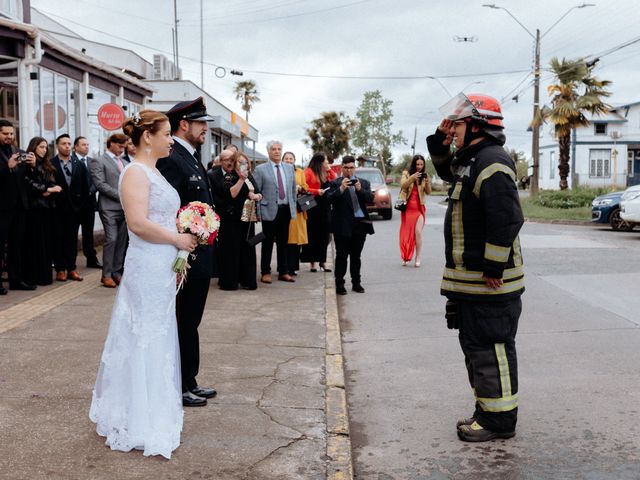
<point x="357" y="288"/>
<point x="341" y="290"/>
<point x="204" y="392"/>
<point x="94" y="264"/>
<point x="191" y="400"/>
<point x="3" y="291"/>
<point x="21" y="286"/>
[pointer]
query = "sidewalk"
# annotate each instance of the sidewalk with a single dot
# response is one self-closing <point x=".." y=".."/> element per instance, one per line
<point x="265" y="351"/>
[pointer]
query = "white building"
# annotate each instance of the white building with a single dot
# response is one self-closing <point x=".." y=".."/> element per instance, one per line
<point x="606" y="153"/>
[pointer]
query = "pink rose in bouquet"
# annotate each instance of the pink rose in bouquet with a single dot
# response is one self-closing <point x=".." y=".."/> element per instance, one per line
<point x="198" y="219"/>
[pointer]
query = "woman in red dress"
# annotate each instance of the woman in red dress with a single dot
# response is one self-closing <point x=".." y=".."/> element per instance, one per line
<point x="414" y="188"/>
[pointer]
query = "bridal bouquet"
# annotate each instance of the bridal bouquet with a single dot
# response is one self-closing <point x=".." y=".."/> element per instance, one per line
<point x="198" y="219"/>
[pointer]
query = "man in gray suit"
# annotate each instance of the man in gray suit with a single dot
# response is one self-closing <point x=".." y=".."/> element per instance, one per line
<point x="105" y="173"/>
<point x="275" y="180"/>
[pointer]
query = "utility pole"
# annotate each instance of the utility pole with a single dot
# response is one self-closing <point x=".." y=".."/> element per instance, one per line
<point x="175" y="29"/>
<point x="415" y="134"/>
<point x="201" y="45"/>
<point x="535" y="141"/>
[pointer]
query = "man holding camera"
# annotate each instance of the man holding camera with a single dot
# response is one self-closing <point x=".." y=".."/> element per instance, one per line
<point x="13" y="205"/>
<point x="350" y="222"/>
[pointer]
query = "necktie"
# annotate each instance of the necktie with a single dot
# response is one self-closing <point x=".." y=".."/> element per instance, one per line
<point x="119" y="163"/>
<point x="357" y="211"/>
<point x="67" y="173"/>
<point x="281" y="192"/>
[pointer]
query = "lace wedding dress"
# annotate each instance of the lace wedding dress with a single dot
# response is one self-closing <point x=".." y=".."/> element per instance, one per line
<point x="137" y="399"/>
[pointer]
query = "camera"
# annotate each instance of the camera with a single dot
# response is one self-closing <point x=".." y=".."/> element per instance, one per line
<point x="420" y="175"/>
<point x="22" y="157"/>
<point x="353" y="181"/>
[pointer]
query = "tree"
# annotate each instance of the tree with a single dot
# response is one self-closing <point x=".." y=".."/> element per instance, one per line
<point x="522" y="165"/>
<point x="330" y="133"/>
<point x="575" y="93"/>
<point x="372" y="133"/>
<point x="247" y="92"/>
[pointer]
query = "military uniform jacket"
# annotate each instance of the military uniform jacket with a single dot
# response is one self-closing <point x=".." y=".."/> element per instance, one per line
<point x="482" y="221"/>
<point x="188" y="177"/>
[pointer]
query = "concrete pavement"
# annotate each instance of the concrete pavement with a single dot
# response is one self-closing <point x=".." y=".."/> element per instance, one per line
<point x="277" y="415"/>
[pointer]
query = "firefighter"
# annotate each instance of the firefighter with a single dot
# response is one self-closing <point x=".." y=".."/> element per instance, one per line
<point x="483" y="278"/>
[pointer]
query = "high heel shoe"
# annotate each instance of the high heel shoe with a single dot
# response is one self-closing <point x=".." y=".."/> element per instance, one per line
<point x="404" y="263"/>
<point x="417" y="264"/>
<point x="324" y="269"/>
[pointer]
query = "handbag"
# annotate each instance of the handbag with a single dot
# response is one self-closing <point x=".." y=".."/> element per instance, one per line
<point x="400" y="205"/>
<point x="256" y="239"/>
<point x="305" y="202"/>
<point x="249" y="211"/>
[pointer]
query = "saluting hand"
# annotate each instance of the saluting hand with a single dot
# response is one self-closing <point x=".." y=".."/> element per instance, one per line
<point x="445" y="127"/>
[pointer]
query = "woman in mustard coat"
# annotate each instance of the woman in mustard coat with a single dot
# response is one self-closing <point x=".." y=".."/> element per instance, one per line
<point x="297" y="226"/>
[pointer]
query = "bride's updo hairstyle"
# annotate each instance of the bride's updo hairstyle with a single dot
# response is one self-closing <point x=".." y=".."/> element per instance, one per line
<point x="147" y="120"/>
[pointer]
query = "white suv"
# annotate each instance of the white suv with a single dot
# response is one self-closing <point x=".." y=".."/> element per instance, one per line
<point x="630" y="204"/>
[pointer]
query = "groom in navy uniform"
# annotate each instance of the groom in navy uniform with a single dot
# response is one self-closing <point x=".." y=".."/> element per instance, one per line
<point x="183" y="169"/>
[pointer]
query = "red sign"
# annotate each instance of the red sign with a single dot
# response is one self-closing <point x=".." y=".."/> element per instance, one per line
<point x="48" y="117"/>
<point x="110" y="116"/>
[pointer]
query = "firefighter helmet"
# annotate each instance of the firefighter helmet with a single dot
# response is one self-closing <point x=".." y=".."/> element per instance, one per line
<point x="483" y="109"/>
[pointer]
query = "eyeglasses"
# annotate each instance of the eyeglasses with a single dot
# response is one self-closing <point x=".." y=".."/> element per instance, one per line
<point x="349" y="168"/>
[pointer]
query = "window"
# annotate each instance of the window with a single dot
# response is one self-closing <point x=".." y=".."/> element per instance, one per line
<point x="630" y="158"/>
<point x="552" y="165"/>
<point x="599" y="163"/>
<point x="600" y="129"/>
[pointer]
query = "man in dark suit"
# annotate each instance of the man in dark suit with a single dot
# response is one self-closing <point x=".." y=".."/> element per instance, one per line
<point x="184" y="170"/>
<point x="13" y="206"/>
<point x="88" y="213"/>
<point x="72" y="176"/>
<point x="350" y="222"/>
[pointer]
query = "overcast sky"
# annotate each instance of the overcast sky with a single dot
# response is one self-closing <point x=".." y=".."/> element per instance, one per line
<point x="369" y="38"/>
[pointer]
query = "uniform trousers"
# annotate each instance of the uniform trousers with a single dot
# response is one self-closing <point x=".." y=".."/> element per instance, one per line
<point x="190" y="304"/>
<point x="87" y="222"/>
<point x="487" y="334"/>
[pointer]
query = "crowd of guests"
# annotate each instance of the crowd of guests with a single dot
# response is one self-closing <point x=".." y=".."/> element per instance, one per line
<point x="47" y="197"/>
<point x="270" y="196"/>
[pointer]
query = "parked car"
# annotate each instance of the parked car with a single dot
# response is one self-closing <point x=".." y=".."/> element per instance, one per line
<point x="630" y="205"/>
<point x="606" y="209"/>
<point x="382" y="204"/>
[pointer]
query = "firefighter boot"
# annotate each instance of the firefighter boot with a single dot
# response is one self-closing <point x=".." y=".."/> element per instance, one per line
<point x="476" y="433"/>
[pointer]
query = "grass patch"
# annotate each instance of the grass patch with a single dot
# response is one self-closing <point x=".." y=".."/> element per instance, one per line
<point x="533" y="211"/>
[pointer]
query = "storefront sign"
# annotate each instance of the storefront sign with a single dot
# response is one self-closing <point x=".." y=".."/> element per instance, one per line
<point x="110" y="116"/>
<point x="48" y="117"/>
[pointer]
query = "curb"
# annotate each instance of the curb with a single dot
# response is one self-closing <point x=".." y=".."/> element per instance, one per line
<point x="339" y="463"/>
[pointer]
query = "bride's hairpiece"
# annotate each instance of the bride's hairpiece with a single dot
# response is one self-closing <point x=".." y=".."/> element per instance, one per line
<point x="137" y="119"/>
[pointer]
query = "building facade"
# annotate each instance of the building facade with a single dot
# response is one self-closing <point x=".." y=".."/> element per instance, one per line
<point x="605" y="153"/>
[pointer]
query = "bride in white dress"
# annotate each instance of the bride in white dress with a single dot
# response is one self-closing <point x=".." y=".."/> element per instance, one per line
<point x="137" y="399"/>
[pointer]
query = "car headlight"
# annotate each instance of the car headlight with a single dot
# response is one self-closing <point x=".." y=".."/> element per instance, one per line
<point x="627" y="196"/>
<point x="382" y="192"/>
<point x="602" y="203"/>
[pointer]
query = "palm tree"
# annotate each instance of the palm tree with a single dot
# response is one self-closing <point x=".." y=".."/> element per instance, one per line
<point x="247" y="92"/>
<point x="575" y="93"/>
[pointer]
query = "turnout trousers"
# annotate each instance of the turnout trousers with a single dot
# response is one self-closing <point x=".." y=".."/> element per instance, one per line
<point x="488" y="339"/>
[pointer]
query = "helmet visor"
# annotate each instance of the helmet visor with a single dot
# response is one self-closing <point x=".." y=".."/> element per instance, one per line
<point x="457" y="108"/>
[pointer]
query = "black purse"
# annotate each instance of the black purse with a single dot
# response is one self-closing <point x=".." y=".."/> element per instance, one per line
<point x="400" y="205"/>
<point x="305" y="202"/>
<point x="256" y="239"/>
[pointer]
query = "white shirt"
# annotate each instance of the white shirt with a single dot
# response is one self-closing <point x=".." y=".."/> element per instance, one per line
<point x="275" y="167"/>
<point x="186" y="145"/>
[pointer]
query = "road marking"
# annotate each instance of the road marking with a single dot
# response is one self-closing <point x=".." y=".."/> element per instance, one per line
<point x="339" y="464"/>
<point x="24" y="311"/>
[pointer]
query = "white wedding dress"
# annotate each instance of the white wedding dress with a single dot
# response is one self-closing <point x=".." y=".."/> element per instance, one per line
<point x="137" y="399"/>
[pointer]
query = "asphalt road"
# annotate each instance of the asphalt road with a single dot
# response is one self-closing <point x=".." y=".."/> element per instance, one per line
<point x="579" y="362"/>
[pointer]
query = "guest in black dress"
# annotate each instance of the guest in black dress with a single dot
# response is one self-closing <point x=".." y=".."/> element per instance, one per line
<point x="232" y="186"/>
<point x="41" y="191"/>
<point x="318" y="175"/>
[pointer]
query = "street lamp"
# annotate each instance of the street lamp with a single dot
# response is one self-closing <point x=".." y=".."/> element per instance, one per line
<point x="535" y="142"/>
<point x="469" y="84"/>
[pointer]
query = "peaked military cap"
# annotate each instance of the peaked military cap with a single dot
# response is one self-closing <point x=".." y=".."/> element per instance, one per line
<point x="192" y="110"/>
